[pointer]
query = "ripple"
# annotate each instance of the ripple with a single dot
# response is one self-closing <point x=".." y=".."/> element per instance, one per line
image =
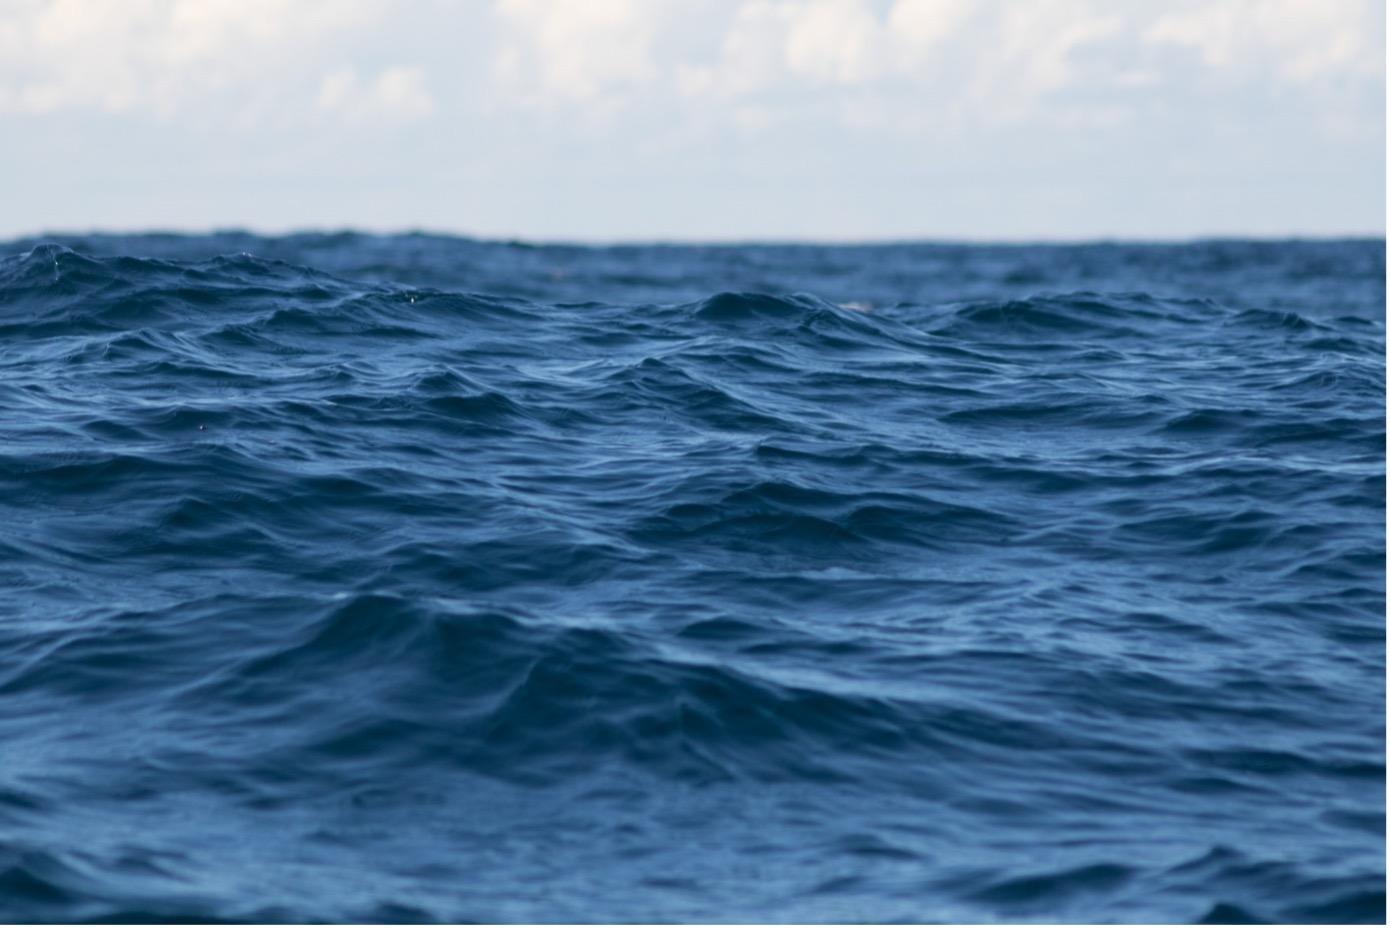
<point x="409" y="578"/>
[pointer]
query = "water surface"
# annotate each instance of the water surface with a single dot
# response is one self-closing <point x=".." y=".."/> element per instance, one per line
<point x="416" y="578"/>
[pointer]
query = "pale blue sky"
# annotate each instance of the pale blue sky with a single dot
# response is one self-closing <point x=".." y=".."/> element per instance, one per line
<point x="696" y="119"/>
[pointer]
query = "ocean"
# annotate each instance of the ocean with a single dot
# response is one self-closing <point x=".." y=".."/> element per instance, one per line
<point x="403" y="578"/>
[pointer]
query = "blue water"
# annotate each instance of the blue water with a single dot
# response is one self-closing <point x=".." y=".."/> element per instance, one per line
<point x="417" y="578"/>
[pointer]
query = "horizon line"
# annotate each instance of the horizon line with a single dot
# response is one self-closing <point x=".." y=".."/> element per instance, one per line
<point x="698" y="241"/>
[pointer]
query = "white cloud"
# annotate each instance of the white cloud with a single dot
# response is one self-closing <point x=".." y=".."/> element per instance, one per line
<point x="161" y="56"/>
<point x="580" y="51"/>
<point x="396" y="94"/>
<point x="918" y="25"/>
<point x="749" y="65"/>
<point x="770" y="44"/>
<point x="750" y="54"/>
<point x="1068" y="62"/>
<point x="834" y="41"/>
<point x="1299" y="41"/>
<point x="1034" y="50"/>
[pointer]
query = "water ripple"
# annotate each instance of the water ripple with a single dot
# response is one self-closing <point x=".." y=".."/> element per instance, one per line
<point x="411" y="578"/>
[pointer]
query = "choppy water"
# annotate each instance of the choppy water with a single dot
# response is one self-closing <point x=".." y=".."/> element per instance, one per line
<point x="413" y="578"/>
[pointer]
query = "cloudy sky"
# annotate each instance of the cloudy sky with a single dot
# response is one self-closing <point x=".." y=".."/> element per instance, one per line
<point x="696" y="119"/>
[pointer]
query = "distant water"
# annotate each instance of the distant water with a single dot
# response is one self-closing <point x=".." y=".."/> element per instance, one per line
<point x="416" y="578"/>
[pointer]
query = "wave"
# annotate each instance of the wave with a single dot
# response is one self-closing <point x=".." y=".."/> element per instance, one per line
<point x="413" y="578"/>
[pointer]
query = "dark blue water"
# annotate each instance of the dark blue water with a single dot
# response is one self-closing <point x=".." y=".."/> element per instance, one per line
<point x="415" y="578"/>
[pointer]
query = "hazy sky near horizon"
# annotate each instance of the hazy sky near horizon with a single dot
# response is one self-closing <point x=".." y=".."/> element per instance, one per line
<point x="696" y="119"/>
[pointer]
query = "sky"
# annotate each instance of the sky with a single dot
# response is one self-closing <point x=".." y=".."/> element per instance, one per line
<point x="602" y="120"/>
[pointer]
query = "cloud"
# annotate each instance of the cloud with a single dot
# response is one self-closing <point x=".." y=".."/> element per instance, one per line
<point x="834" y="41"/>
<point x="396" y="94"/>
<point x="1294" y="40"/>
<point x="986" y="61"/>
<point x="908" y="66"/>
<point x="162" y="57"/>
<point x="576" y="52"/>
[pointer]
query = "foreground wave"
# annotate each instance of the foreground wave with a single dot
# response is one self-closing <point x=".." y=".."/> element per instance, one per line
<point x="414" y="578"/>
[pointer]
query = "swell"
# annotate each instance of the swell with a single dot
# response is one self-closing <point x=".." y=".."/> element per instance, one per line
<point x="372" y="572"/>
